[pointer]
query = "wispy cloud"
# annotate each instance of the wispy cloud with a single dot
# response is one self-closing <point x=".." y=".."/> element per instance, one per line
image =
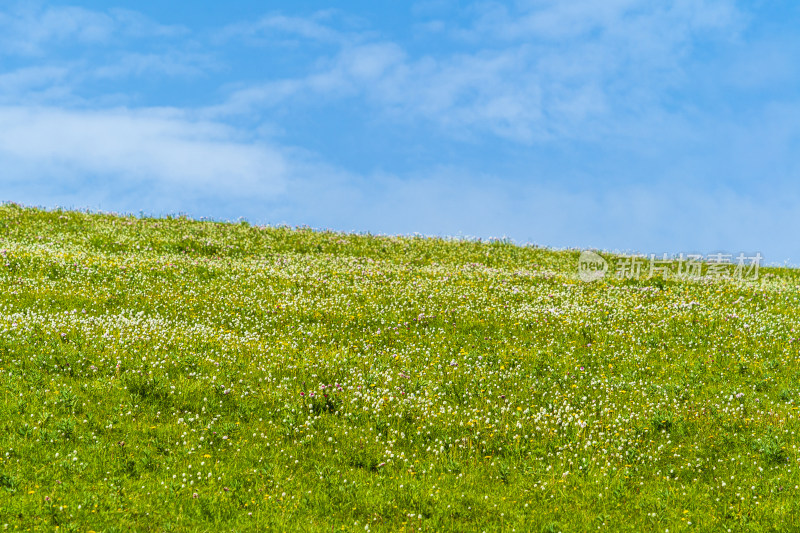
<point x="354" y="70"/>
<point x="32" y="30"/>
<point x="31" y="82"/>
<point x="170" y="63"/>
<point x="278" y="28"/>
<point x="53" y="54"/>
<point x="545" y="69"/>
<point x="142" y="148"/>
<point x="644" y="23"/>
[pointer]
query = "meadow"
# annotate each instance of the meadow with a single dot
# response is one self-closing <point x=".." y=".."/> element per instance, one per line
<point x="169" y="374"/>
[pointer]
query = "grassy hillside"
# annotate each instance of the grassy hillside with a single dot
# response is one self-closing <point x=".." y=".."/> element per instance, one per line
<point x="177" y="375"/>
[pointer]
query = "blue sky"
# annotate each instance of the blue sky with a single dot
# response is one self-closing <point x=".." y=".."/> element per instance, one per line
<point x="657" y="127"/>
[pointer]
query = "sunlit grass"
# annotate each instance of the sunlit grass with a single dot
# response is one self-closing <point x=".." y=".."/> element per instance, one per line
<point x="174" y="375"/>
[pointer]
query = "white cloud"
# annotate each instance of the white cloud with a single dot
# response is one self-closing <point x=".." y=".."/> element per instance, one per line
<point x="136" y="25"/>
<point x="28" y="30"/>
<point x="15" y="83"/>
<point x="31" y="30"/>
<point x="354" y="69"/>
<point x="535" y="70"/>
<point x="44" y="68"/>
<point x="278" y="28"/>
<point x="161" y="148"/>
<point x="637" y="21"/>
<point x="168" y="63"/>
<point x="542" y="70"/>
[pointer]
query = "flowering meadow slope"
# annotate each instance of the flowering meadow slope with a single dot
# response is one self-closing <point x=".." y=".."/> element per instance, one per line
<point x="178" y="375"/>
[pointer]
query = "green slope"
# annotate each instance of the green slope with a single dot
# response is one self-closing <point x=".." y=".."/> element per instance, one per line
<point x="179" y="375"/>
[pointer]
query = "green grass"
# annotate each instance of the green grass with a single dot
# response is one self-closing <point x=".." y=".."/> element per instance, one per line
<point x="180" y="375"/>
